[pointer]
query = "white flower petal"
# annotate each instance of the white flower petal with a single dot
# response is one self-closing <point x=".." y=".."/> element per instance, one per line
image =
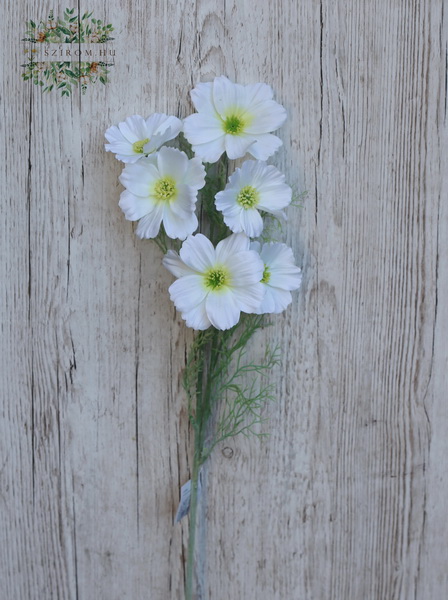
<point x="265" y="146"/>
<point x="267" y="116"/>
<point x="276" y="255"/>
<point x="267" y="305"/>
<point x="286" y="280"/>
<point x="197" y="318"/>
<point x="250" y="298"/>
<point x="228" y="95"/>
<point x="255" y="246"/>
<point x="172" y="162"/>
<point x="135" y="207"/>
<point x="133" y="128"/>
<point x="251" y="222"/>
<point x="262" y="175"/>
<point x="237" y="242"/>
<point x="211" y="151"/>
<point x="275" y="301"/>
<point x="276" y="199"/>
<point x="226" y="201"/>
<point x="128" y="159"/>
<point x="185" y="202"/>
<point x="233" y="221"/>
<point x="237" y="146"/>
<point x="154" y="143"/>
<point x="258" y="93"/>
<point x="122" y="147"/>
<point x="195" y="175"/>
<point x="222" y="309"/>
<point x="159" y="124"/>
<point x="187" y="292"/>
<point x="114" y="136"/>
<point x="251" y="172"/>
<point x="148" y="227"/>
<point x="201" y="129"/>
<point x="138" y="178"/>
<point x="178" y="227"/>
<point x="246" y="268"/>
<point x="175" y="265"/>
<point x="198" y="253"/>
<point x="201" y="96"/>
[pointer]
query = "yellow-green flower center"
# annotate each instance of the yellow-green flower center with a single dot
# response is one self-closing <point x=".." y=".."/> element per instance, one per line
<point x="138" y="146"/>
<point x="247" y="197"/>
<point x="165" y="189"/>
<point x="216" y="278"/>
<point x="233" y="125"/>
<point x="266" y="275"/>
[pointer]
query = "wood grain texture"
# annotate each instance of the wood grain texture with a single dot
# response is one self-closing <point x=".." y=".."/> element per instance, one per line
<point x="347" y="497"/>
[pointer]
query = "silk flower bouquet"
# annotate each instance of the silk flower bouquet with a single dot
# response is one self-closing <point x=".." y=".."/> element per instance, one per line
<point x="232" y="273"/>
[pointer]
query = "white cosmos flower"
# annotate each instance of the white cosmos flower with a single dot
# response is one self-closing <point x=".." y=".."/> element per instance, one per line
<point x="280" y="276"/>
<point x="137" y="137"/>
<point x="162" y="188"/>
<point x="215" y="285"/>
<point x="235" y="119"/>
<point x="255" y="186"/>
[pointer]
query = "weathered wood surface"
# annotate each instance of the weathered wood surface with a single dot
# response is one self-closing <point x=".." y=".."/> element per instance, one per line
<point x="347" y="499"/>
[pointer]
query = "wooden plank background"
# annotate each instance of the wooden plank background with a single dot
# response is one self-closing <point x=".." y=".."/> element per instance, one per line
<point x="347" y="499"/>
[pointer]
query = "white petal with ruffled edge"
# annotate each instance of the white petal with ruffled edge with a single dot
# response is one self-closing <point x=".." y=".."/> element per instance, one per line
<point x="172" y="162"/>
<point x="187" y="292"/>
<point x="222" y="309"/>
<point x="237" y="146"/>
<point x="245" y="266"/>
<point x="265" y="146"/>
<point x="176" y="265"/>
<point x="135" y="207"/>
<point x="230" y="246"/>
<point x="195" y="175"/>
<point x="267" y="116"/>
<point x="275" y="301"/>
<point x="198" y="253"/>
<point x="197" y="318"/>
<point x="251" y="222"/>
<point x="228" y="95"/>
<point x="148" y="227"/>
<point x="249" y="298"/>
<point x="139" y="177"/>
<point x="201" y="129"/>
<point x="185" y="202"/>
<point x="201" y="96"/>
<point x="212" y="151"/>
<point x="178" y="227"/>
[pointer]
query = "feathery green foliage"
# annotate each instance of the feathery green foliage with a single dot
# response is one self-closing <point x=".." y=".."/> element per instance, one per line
<point x="224" y="386"/>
